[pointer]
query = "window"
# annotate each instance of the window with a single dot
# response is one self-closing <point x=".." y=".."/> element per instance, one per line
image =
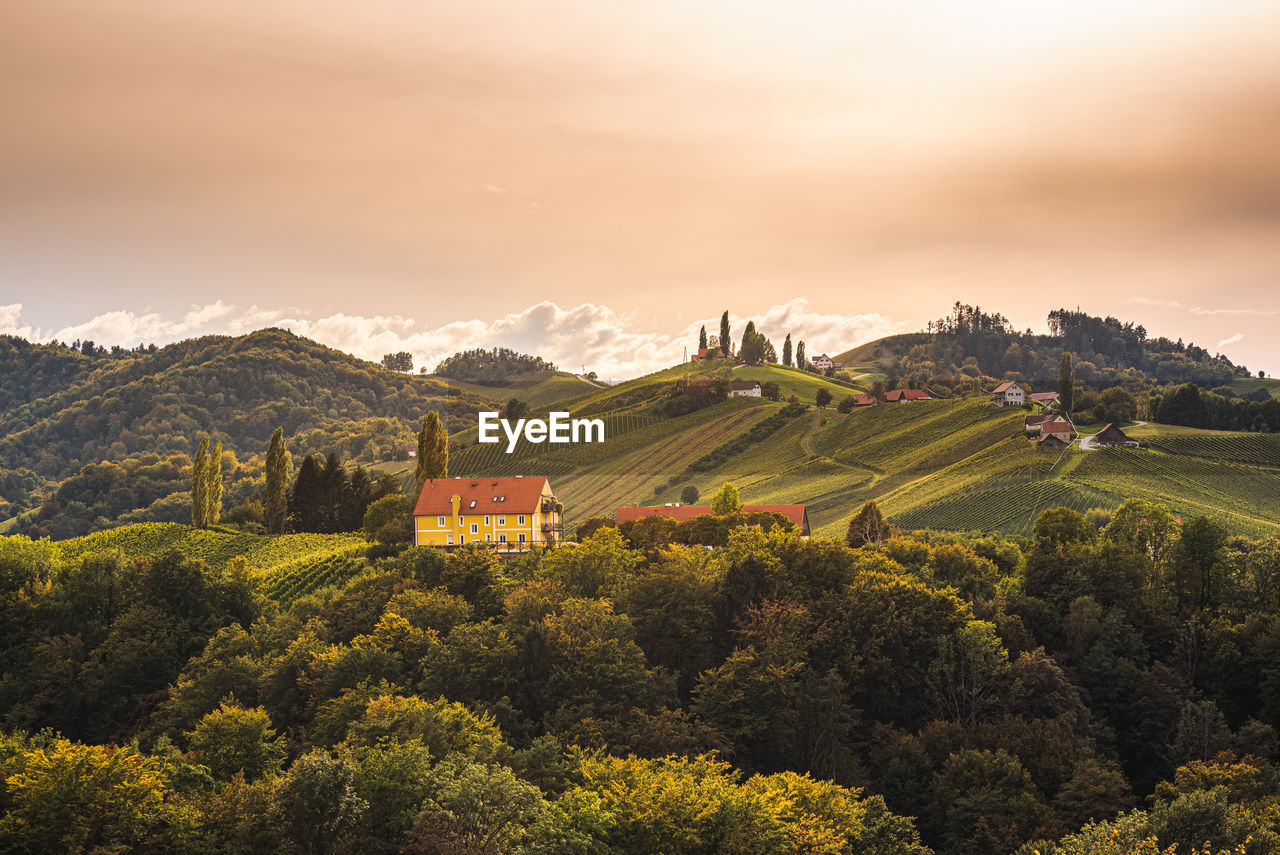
<point x="440" y="522"/>
<point x="449" y="542"/>
<point x="520" y="520"/>
<point x="502" y="538"/>
<point x="488" y="537"/>
<point x="522" y="537"/>
<point x="486" y="519"/>
<point x="502" y="520"/>
<point x="475" y="529"/>
<point x="462" y="540"/>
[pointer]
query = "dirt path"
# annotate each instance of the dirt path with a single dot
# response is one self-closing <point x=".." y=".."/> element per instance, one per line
<point x="804" y="440"/>
<point x="591" y="382"/>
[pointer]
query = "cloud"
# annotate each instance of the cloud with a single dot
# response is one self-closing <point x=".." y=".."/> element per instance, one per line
<point x="588" y="335"/>
<point x="1198" y="310"/>
<point x="1232" y="340"/>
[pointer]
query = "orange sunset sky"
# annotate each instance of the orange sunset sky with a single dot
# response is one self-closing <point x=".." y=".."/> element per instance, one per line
<point x="592" y="180"/>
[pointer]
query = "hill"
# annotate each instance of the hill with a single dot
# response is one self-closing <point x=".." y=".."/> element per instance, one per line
<point x="538" y="389"/>
<point x="288" y="564"/>
<point x="143" y="409"/>
<point x="954" y="464"/>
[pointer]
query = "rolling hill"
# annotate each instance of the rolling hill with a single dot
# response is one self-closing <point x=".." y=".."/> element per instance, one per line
<point x="948" y="464"/>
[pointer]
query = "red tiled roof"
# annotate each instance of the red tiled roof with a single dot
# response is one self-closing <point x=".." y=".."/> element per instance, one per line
<point x="863" y="400"/>
<point x="1033" y="420"/>
<point x="795" y="513"/>
<point x="1008" y="384"/>
<point x="521" y="495"/>
<point x="736" y="385"/>
<point x="1057" y="424"/>
<point x="907" y="394"/>
<point x="1043" y="396"/>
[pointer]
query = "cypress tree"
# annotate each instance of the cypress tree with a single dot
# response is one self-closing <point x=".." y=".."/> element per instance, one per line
<point x="200" y="485"/>
<point x="306" y="505"/>
<point x="213" y="496"/>
<point x="277" y="509"/>
<point x="786" y="351"/>
<point x="800" y="356"/>
<point x="433" y="452"/>
<point x="1066" y="383"/>
<point x="702" y="338"/>
<point x="724" y="333"/>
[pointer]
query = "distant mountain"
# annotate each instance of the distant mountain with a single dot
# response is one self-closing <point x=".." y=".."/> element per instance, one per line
<point x="134" y="416"/>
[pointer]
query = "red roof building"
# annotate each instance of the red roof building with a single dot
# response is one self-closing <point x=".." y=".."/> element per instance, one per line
<point x="902" y="396"/>
<point x="508" y="513"/>
<point x="797" y="514"/>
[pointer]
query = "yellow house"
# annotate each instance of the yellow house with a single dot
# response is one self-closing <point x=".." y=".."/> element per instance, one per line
<point x="508" y="513"/>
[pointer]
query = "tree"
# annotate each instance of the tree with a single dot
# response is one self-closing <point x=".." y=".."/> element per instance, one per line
<point x="786" y="351"/>
<point x="515" y="410"/>
<point x="800" y="363"/>
<point x="1066" y="382"/>
<point x="754" y="346"/>
<point x="823" y="397"/>
<point x="277" y="507"/>
<point x="724" y="333"/>
<point x="387" y="520"/>
<point x="213" y="494"/>
<point x="689" y="494"/>
<point x="316" y="802"/>
<point x="1200" y="553"/>
<point x="726" y="501"/>
<point x="702" y="338"/>
<point x="233" y="739"/>
<point x="867" y="526"/>
<point x="433" y="452"/>
<point x="402" y="361"/>
<point x="200" y="485"/>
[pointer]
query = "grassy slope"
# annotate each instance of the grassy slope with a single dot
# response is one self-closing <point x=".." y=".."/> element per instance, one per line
<point x="266" y="554"/>
<point x="539" y="389"/>
<point x="1245" y="385"/>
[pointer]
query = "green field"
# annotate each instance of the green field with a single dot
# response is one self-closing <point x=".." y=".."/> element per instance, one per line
<point x="1245" y="385"/>
<point x="539" y="389"/>
<point x="289" y="564"/>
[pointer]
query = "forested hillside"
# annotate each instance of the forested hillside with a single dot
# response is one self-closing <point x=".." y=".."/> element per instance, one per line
<point x="132" y="415"/>
<point x="1106" y="685"/>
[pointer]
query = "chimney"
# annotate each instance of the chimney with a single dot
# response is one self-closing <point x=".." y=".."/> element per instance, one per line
<point x="456" y="501"/>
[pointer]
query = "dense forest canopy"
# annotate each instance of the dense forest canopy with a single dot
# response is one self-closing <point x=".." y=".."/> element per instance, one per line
<point x="492" y="367"/>
<point x="90" y="417"/>
<point x="1110" y="678"/>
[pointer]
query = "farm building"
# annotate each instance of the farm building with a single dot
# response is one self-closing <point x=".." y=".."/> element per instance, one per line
<point x="798" y="514"/>
<point x="744" y="389"/>
<point x="510" y="513"/>
<point x="708" y="353"/>
<point x="1044" y="399"/>
<point x="822" y="362"/>
<point x="864" y="401"/>
<point x="1054" y="440"/>
<point x="1034" y="420"/>
<point x="1009" y="394"/>
<point x="1056" y="426"/>
<point x="1112" y="435"/>
<point x="906" y="396"/>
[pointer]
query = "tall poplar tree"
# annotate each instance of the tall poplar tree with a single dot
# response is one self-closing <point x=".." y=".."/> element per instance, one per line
<point x="1066" y="383"/>
<point x="724" y="333"/>
<point x="433" y="452"/>
<point x="200" y="485"/>
<point x="213" y="479"/>
<point x="702" y="338"/>
<point x="786" y="351"/>
<point x="800" y="356"/>
<point x="277" y="510"/>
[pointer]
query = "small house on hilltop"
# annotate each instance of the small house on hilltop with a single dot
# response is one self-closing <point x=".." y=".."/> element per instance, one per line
<point x="1009" y="394"/>
<point x="906" y="396"/>
<point x="1112" y="435"/>
<point x="797" y="514"/>
<point x="822" y="362"/>
<point x="708" y="353"/>
<point x="744" y="388"/>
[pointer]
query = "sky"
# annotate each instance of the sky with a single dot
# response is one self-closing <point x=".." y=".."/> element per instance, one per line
<point x="592" y="181"/>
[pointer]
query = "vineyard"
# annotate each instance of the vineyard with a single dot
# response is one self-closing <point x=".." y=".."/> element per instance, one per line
<point x="1245" y="498"/>
<point x="285" y="586"/>
<point x="275" y="557"/>
<point x="1011" y="509"/>
<point x="1259" y="449"/>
